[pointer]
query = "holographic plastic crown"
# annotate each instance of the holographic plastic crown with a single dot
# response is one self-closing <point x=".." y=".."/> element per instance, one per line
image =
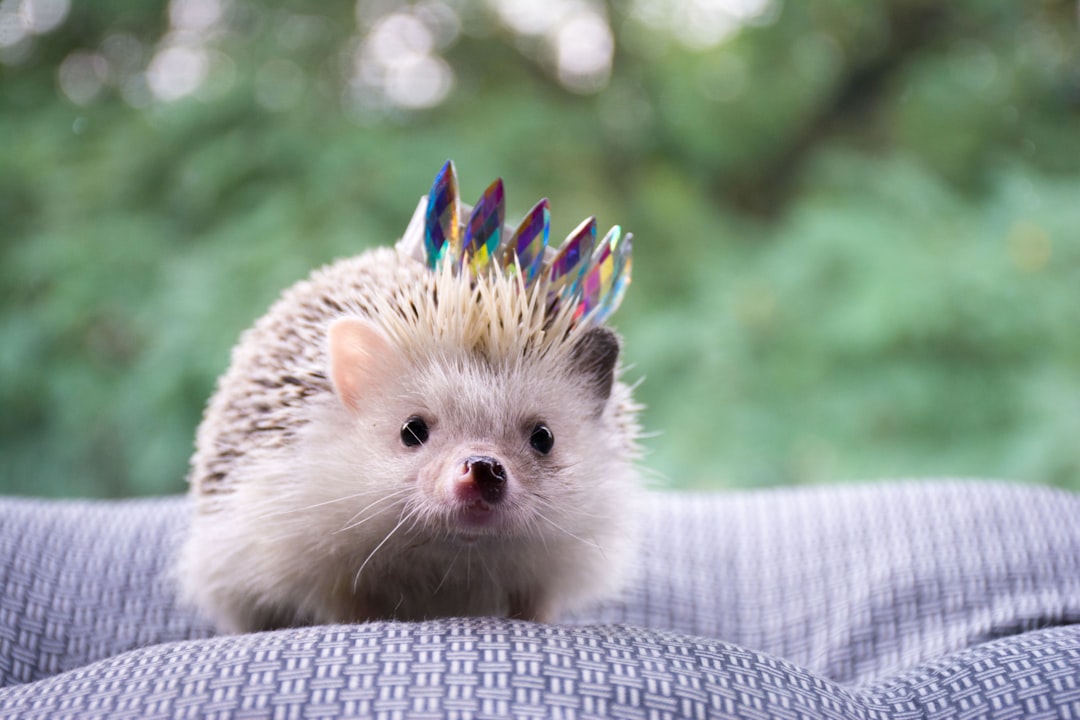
<point x="592" y="277"/>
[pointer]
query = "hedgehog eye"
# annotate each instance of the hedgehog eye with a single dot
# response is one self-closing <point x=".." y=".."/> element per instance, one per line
<point x="414" y="432"/>
<point x="541" y="439"/>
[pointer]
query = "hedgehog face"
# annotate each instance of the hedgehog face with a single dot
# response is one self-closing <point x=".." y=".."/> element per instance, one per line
<point x="481" y="447"/>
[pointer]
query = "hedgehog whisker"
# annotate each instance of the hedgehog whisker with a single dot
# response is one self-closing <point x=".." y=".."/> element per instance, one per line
<point x="279" y="513"/>
<point x="362" y="521"/>
<point x="354" y="522"/>
<point x="569" y="466"/>
<point x="532" y="527"/>
<point x="590" y="543"/>
<point x="425" y="517"/>
<point x="400" y="523"/>
<point x="447" y="573"/>
<point x="550" y="504"/>
<point x="487" y="569"/>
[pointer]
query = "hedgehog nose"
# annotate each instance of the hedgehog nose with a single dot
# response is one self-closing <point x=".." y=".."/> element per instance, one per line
<point x="489" y="476"/>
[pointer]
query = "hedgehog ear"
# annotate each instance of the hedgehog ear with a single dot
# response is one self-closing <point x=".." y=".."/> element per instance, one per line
<point x="361" y="359"/>
<point x="595" y="356"/>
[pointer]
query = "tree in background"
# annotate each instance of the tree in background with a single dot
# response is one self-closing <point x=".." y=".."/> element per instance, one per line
<point x="857" y="223"/>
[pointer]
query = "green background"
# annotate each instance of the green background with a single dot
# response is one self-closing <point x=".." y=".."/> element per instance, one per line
<point x="857" y="223"/>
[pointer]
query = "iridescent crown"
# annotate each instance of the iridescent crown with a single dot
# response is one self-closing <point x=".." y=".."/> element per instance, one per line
<point x="591" y="277"/>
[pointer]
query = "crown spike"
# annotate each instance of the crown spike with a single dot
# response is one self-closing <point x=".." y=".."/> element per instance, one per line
<point x="484" y="229"/>
<point x="442" y="231"/>
<point x="568" y="265"/>
<point x="525" y="251"/>
<point x="620" y="279"/>
<point x="600" y="274"/>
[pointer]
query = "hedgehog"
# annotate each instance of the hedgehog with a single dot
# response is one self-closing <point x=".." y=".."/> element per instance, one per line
<point x="433" y="429"/>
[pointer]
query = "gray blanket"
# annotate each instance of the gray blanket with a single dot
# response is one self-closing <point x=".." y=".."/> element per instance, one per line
<point x="930" y="599"/>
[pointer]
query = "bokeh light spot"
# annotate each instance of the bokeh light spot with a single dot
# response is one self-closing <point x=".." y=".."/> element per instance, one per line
<point x="177" y="71"/>
<point x="41" y="16"/>
<point x="528" y="17"/>
<point x="20" y="20"/>
<point x="397" y="63"/>
<point x="584" y="48"/>
<point x="12" y="25"/>
<point x="82" y="75"/>
<point x="195" y="16"/>
<point x="423" y="82"/>
<point x="703" y="24"/>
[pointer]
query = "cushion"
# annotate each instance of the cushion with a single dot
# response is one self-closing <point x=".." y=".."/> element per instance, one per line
<point x="919" y="599"/>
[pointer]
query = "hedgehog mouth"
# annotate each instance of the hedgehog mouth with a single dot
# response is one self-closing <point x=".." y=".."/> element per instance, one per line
<point x="475" y="519"/>
<point x="477" y="513"/>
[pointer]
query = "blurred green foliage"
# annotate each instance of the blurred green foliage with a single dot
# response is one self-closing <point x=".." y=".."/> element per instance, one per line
<point x="857" y="223"/>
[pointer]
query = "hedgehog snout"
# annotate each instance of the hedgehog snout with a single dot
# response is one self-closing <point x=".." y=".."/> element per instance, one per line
<point x="481" y="477"/>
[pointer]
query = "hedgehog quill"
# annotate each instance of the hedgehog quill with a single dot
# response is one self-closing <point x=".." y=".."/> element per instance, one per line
<point x="434" y="429"/>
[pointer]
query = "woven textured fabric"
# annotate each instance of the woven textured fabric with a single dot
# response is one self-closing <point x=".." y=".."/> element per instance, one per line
<point x="858" y="582"/>
<point x="81" y="581"/>
<point x="888" y="601"/>
<point x="498" y="669"/>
